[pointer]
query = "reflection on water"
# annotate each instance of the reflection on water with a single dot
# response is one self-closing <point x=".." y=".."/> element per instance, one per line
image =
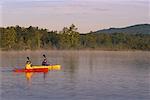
<point x="28" y="76"/>
<point x="85" y="75"/>
<point x="70" y="63"/>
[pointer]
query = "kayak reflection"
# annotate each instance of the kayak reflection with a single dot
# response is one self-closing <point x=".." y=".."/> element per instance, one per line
<point x="29" y="75"/>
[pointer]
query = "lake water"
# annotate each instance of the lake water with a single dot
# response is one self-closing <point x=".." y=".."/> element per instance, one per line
<point x="85" y="75"/>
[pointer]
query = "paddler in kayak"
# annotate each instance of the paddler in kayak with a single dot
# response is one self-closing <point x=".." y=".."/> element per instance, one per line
<point x="28" y="64"/>
<point x="44" y="63"/>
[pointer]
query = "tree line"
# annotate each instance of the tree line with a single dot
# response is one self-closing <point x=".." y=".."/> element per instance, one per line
<point x="34" y="38"/>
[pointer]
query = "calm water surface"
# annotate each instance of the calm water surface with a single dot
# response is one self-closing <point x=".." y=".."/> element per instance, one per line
<point x="85" y="75"/>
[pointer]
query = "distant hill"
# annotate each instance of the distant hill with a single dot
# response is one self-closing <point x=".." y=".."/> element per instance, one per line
<point x="135" y="29"/>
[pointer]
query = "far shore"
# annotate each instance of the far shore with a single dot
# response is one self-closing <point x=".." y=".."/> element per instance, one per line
<point x="86" y="50"/>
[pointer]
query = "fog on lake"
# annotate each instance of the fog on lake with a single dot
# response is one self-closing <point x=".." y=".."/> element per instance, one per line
<point x="85" y="75"/>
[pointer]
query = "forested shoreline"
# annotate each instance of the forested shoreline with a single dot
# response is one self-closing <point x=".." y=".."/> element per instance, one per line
<point x="34" y="38"/>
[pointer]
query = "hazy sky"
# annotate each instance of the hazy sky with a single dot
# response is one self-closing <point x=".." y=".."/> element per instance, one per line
<point x="87" y="15"/>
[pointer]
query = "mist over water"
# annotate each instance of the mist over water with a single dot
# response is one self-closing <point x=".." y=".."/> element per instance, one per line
<point x="85" y="75"/>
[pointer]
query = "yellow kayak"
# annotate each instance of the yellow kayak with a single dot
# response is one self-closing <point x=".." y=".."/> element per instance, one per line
<point x="50" y="67"/>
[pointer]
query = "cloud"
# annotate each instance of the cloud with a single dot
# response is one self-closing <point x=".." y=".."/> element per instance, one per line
<point x="100" y="9"/>
<point x="31" y="3"/>
<point x="87" y="14"/>
<point x="68" y="7"/>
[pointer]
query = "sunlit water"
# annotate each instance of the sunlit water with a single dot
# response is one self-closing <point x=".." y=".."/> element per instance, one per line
<point x="85" y="75"/>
